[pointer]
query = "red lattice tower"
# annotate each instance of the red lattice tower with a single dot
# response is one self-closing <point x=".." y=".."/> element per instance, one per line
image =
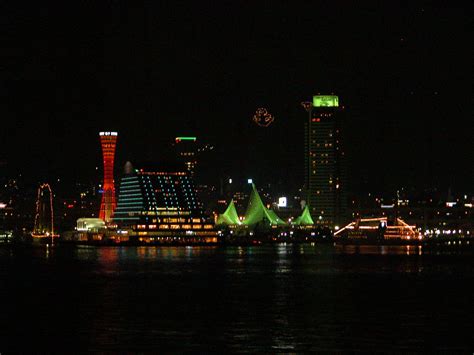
<point x="108" y="140"/>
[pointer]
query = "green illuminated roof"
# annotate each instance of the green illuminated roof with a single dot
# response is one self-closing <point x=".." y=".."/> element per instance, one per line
<point x="257" y="212"/>
<point x="325" y="101"/>
<point x="274" y="219"/>
<point x="178" y="139"/>
<point x="230" y="216"/>
<point x="304" y="218"/>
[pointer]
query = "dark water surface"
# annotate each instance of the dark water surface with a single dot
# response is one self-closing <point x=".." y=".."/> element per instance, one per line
<point x="280" y="298"/>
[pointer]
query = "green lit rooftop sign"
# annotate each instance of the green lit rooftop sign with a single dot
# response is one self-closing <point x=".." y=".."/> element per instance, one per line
<point x="179" y="139"/>
<point x="325" y="101"/>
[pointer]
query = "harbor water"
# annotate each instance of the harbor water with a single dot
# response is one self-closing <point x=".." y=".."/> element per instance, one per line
<point x="273" y="298"/>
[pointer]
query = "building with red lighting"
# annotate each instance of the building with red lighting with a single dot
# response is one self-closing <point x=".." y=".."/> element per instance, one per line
<point x="108" y="140"/>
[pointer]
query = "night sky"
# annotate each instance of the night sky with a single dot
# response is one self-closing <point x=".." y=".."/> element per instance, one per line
<point x="153" y="70"/>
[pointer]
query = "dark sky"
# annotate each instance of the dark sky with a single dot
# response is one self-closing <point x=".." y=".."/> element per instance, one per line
<point x="156" y="69"/>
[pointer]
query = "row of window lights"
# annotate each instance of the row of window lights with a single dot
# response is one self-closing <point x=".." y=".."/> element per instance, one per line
<point x="166" y="195"/>
<point x="174" y="226"/>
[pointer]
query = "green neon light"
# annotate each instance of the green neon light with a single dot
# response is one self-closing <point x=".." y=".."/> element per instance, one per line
<point x="230" y="216"/>
<point x="125" y="199"/>
<point x="325" y="101"/>
<point x="257" y="212"/>
<point x="186" y="139"/>
<point x="127" y="209"/>
<point x="129" y="183"/>
<point x="305" y="219"/>
<point x="125" y="204"/>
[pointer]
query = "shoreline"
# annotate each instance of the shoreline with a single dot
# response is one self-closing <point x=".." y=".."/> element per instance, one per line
<point x="460" y="244"/>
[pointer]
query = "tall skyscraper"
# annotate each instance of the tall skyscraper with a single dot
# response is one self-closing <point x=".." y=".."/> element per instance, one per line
<point x="325" y="169"/>
<point x="108" y="141"/>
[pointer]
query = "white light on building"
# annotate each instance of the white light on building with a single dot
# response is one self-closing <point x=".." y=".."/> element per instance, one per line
<point x="282" y="202"/>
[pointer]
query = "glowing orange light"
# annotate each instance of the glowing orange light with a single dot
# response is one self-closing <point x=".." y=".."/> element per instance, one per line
<point x="108" y="141"/>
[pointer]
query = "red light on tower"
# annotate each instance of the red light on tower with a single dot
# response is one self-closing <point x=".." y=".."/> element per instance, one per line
<point x="108" y="140"/>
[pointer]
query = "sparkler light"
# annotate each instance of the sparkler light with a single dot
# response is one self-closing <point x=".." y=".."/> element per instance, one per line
<point x="262" y="117"/>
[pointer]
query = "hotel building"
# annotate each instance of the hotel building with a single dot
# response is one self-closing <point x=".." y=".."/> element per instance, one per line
<point x="159" y="203"/>
<point x="324" y="159"/>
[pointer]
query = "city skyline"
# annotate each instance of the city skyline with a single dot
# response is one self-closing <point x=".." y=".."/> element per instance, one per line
<point x="236" y="176"/>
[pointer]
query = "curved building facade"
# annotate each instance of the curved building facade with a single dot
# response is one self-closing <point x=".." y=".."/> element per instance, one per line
<point x="161" y="202"/>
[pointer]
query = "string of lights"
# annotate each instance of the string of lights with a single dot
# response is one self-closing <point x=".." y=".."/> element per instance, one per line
<point x="38" y="230"/>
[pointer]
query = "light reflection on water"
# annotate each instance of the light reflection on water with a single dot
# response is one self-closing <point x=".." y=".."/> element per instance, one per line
<point x="380" y="249"/>
<point x="275" y="298"/>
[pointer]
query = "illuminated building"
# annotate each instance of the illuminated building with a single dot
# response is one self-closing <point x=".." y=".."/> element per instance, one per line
<point x="430" y="213"/>
<point x="304" y="219"/>
<point x="378" y="228"/>
<point x="186" y="150"/>
<point x="160" y="202"/>
<point x="257" y="214"/>
<point x="230" y="216"/>
<point x="5" y="236"/>
<point x="108" y="141"/>
<point x="324" y="160"/>
<point x="90" y="224"/>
